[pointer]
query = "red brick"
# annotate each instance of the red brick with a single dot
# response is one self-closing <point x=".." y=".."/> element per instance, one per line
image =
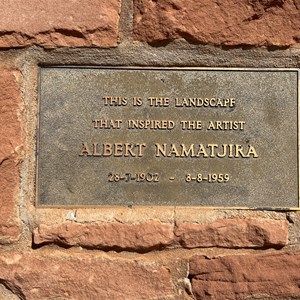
<point x="233" y="233"/>
<point x="117" y="236"/>
<point x="218" y="22"/>
<point x="11" y="141"/>
<point x="83" y="276"/>
<point x="59" y="23"/>
<point x="251" y="276"/>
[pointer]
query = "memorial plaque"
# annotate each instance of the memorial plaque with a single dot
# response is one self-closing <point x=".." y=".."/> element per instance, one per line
<point x="198" y="137"/>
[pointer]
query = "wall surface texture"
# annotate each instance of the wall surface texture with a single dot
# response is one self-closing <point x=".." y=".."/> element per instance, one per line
<point x="135" y="253"/>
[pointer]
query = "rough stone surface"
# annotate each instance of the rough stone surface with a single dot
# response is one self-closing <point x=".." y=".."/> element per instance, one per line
<point x="6" y="294"/>
<point x="261" y="276"/>
<point x="52" y="275"/>
<point x="154" y="235"/>
<point x="233" y="233"/>
<point x="116" y="236"/>
<point x="217" y="22"/>
<point x="294" y="232"/>
<point x="59" y="23"/>
<point x="11" y="135"/>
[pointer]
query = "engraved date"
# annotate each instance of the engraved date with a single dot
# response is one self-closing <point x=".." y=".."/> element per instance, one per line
<point x="210" y="178"/>
<point x="135" y="177"/>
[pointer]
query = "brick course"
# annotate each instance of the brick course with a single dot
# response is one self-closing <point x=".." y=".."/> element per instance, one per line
<point x="145" y="237"/>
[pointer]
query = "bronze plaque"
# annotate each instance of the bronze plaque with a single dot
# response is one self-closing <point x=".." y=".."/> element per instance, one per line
<point x="198" y="137"/>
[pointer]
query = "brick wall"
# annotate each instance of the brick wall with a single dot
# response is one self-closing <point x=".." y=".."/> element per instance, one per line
<point x="136" y="252"/>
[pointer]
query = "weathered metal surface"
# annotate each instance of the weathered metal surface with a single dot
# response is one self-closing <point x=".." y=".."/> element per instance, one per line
<point x="117" y="136"/>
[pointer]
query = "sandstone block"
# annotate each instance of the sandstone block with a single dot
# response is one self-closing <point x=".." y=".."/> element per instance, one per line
<point x="50" y="275"/>
<point x="116" y="236"/>
<point x="233" y="233"/>
<point x="11" y="141"/>
<point x="250" y="276"/>
<point x="215" y="22"/>
<point x="59" y="23"/>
